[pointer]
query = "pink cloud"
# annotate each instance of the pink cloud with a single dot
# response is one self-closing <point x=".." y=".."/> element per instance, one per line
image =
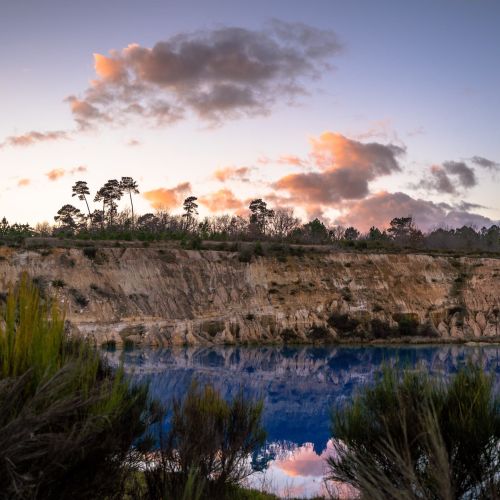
<point x="379" y="209"/>
<point x="222" y="200"/>
<point x="168" y="198"/>
<point x="232" y="173"/>
<point x="33" y="137"/>
<point x="57" y="173"/>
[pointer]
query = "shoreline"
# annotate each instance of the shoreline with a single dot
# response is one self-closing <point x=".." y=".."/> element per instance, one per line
<point x="417" y="342"/>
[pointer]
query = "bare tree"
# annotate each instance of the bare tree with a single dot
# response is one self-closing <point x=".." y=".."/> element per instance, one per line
<point x="283" y="223"/>
<point x="337" y="233"/>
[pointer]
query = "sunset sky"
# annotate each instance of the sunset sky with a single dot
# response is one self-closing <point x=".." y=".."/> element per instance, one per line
<point x="352" y="111"/>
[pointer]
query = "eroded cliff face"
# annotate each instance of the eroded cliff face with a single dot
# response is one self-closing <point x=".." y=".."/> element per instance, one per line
<point x="166" y="296"/>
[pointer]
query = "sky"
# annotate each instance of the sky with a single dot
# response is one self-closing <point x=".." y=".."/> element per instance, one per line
<point x="351" y="111"/>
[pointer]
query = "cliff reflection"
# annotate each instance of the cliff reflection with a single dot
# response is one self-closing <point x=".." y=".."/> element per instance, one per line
<point x="299" y="385"/>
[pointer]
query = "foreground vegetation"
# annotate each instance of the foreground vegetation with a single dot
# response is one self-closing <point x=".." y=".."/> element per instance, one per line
<point x="412" y="437"/>
<point x="70" y="427"/>
<point x="66" y="421"/>
<point x="277" y="225"/>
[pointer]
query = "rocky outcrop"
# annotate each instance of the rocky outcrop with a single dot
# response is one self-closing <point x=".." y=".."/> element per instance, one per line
<point x="161" y="295"/>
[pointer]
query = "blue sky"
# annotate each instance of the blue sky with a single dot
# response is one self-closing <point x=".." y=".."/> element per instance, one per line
<point x="420" y="75"/>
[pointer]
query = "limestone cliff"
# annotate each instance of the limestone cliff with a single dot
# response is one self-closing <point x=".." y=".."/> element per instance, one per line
<point x="162" y="295"/>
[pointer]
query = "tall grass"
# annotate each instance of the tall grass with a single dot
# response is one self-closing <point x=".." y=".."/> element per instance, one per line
<point x="414" y="437"/>
<point x="67" y="422"/>
<point x="31" y="334"/>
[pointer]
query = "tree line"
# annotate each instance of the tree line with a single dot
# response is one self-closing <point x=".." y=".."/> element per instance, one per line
<point x="262" y="224"/>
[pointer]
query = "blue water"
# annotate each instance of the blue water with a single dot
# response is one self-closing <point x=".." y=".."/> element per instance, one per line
<point x="299" y="385"/>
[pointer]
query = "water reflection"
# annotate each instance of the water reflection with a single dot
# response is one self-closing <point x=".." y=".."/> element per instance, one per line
<point x="299" y="386"/>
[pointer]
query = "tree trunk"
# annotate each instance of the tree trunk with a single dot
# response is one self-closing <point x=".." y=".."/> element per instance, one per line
<point x="88" y="208"/>
<point x="132" y="206"/>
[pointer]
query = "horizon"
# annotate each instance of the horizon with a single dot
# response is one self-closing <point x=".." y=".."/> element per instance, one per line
<point x="355" y="116"/>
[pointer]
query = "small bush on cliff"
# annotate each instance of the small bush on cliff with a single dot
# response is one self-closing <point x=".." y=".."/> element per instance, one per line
<point x="407" y="324"/>
<point x="380" y="329"/>
<point x="90" y="252"/>
<point x="412" y="437"/>
<point x="343" y="323"/>
<point x="318" y="333"/>
<point x="207" y="444"/>
<point x="245" y="255"/>
<point x="67" y="422"/>
<point x="289" y="335"/>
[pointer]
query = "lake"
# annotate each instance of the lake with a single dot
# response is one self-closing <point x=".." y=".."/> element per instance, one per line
<point x="299" y="385"/>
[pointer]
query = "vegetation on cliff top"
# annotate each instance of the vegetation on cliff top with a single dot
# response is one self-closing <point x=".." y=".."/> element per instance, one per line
<point x="262" y="224"/>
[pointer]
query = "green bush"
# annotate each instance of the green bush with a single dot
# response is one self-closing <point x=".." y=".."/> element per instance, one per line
<point x="413" y="437"/>
<point x="67" y="422"/>
<point x="208" y="445"/>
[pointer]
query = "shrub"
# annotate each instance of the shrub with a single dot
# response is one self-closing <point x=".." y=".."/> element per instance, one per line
<point x="318" y="333"/>
<point x="343" y="323"/>
<point x="258" y="250"/>
<point x="297" y="251"/>
<point x="411" y="437"/>
<point x="58" y="283"/>
<point x="346" y="294"/>
<point x="245" y="255"/>
<point x="67" y="422"/>
<point x="208" y="444"/>
<point x="194" y="243"/>
<point x="289" y="335"/>
<point x="90" y="252"/>
<point x="78" y="297"/>
<point x="380" y="329"/>
<point x="407" y="324"/>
